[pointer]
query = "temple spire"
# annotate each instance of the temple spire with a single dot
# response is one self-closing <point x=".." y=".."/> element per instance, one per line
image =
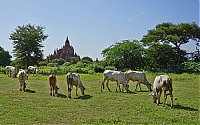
<point x="67" y="42"/>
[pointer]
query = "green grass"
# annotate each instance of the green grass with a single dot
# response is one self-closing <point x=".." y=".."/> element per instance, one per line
<point x="36" y="106"/>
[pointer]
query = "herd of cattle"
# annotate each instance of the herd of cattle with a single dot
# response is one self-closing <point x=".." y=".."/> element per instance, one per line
<point x="161" y="83"/>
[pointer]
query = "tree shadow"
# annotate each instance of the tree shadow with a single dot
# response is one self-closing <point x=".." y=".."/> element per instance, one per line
<point x="84" y="97"/>
<point x="61" y="95"/>
<point x="184" y="107"/>
<point x="30" y="91"/>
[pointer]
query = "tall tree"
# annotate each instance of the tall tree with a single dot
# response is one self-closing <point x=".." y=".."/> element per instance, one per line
<point x="174" y="34"/>
<point x="124" y="55"/>
<point x="27" y="44"/>
<point x="5" y="57"/>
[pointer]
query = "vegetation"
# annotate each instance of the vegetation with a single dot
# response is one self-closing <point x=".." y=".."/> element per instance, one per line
<point x="36" y="106"/>
<point x="27" y="44"/>
<point x="5" y="57"/>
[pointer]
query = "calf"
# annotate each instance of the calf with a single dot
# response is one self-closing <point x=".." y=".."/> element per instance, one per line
<point x="73" y="79"/>
<point x="22" y="76"/>
<point x="162" y="83"/>
<point x="53" y="87"/>
<point x="137" y="76"/>
<point x="117" y="76"/>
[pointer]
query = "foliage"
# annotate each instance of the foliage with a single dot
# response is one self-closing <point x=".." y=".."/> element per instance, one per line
<point x="59" y="61"/>
<point x="162" y="58"/>
<point x="5" y="57"/>
<point x="175" y="34"/>
<point x="27" y="44"/>
<point x="36" y="106"/>
<point x="124" y="55"/>
<point x="87" y="59"/>
<point x="42" y="63"/>
<point x="191" y="67"/>
<point x="52" y="64"/>
<point x="74" y="60"/>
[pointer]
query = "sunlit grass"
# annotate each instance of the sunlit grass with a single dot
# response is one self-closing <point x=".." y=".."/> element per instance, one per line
<point x="36" y="106"/>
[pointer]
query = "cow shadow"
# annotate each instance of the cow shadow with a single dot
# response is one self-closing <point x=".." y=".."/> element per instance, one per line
<point x="183" y="107"/>
<point x="61" y="95"/>
<point x="30" y="91"/>
<point x="84" y="97"/>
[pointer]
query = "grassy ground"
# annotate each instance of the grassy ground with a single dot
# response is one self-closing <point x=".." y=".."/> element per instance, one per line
<point x="36" y="106"/>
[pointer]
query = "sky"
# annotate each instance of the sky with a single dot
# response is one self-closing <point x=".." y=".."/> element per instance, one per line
<point x="93" y="25"/>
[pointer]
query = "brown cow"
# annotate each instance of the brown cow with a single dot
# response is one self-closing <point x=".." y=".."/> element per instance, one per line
<point x="53" y="87"/>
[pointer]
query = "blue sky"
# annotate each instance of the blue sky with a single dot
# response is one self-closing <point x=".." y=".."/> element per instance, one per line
<point x="93" y="25"/>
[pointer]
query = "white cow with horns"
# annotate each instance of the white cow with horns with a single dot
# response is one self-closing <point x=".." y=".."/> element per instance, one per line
<point x="22" y="76"/>
<point x="138" y="76"/>
<point x="117" y="76"/>
<point x="162" y="83"/>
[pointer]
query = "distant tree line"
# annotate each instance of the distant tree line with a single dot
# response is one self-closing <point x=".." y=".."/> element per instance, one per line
<point x="158" y="51"/>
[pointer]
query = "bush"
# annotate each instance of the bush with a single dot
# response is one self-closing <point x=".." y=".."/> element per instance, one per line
<point x="191" y="67"/>
<point x="52" y="64"/>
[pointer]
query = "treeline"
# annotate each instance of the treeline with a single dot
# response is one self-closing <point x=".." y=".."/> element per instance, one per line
<point x="158" y="51"/>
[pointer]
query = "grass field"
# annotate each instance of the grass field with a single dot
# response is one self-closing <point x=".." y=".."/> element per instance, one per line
<point x="36" y="106"/>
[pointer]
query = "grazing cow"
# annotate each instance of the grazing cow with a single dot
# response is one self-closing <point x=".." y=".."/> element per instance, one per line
<point x="22" y="76"/>
<point x="117" y="76"/>
<point x="33" y="70"/>
<point x="53" y="87"/>
<point x="73" y="79"/>
<point x="162" y="83"/>
<point x="137" y="76"/>
<point x="11" y="71"/>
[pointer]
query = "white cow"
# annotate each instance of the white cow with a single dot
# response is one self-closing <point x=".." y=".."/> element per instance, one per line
<point x="11" y="71"/>
<point x="33" y="70"/>
<point x="22" y="76"/>
<point x="162" y="83"/>
<point x="73" y="79"/>
<point x="137" y="76"/>
<point x="117" y="76"/>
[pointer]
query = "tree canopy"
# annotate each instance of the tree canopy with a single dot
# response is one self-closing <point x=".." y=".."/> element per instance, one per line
<point x="5" y="57"/>
<point x="27" y="44"/>
<point x="124" y="55"/>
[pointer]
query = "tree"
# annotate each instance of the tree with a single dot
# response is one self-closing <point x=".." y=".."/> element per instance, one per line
<point x="174" y="34"/>
<point x="5" y="57"/>
<point x="124" y="55"/>
<point x="27" y="44"/>
<point x="87" y="60"/>
<point x="60" y="61"/>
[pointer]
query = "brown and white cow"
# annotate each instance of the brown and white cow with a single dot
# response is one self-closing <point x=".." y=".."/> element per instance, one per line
<point x="22" y="76"/>
<point x="33" y="70"/>
<point x="11" y="71"/>
<point x="117" y="76"/>
<point x="73" y="79"/>
<point x="162" y="83"/>
<point x="137" y="76"/>
<point x="53" y="87"/>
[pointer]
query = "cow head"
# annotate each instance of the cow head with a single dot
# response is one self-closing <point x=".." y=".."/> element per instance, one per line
<point x="153" y="94"/>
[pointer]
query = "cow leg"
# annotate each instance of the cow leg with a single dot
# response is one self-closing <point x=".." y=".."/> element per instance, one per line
<point x="76" y="90"/>
<point x="171" y="96"/>
<point x="165" y="98"/>
<point x="159" y="95"/>
<point x="69" y="91"/>
<point x="23" y="86"/>
<point x="107" y="85"/>
<point x="20" y="84"/>
<point x="50" y="91"/>
<point x="102" y="84"/>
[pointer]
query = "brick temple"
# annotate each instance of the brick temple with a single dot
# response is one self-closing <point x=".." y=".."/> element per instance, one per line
<point x="66" y="52"/>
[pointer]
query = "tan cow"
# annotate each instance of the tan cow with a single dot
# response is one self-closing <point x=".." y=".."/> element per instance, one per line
<point x="53" y="87"/>
<point x="162" y="83"/>
<point x="22" y="76"/>
<point x="73" y="79"/>
<point x="137" y="76"/>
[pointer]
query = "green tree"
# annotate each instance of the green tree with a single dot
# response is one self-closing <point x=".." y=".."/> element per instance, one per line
<point x="87" y="60"/>
<point x="124" y="55"/>
<point x="174" y="34"/>
<point x="5" y="57"/>
<point x="60" y="61"/>
<point x="27" y="44"/>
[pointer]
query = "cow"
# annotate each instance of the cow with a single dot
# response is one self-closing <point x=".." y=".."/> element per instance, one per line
<point x="162" y="83"/>
<point x="53" y="87"/>
<point x="73" y="79"/>
<point x="11" y="71"/>
<point x="137" y="76"/>
<point x="117" y="76"/>
<point x="32" y="69"/>
<point x="22" y="76"/>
